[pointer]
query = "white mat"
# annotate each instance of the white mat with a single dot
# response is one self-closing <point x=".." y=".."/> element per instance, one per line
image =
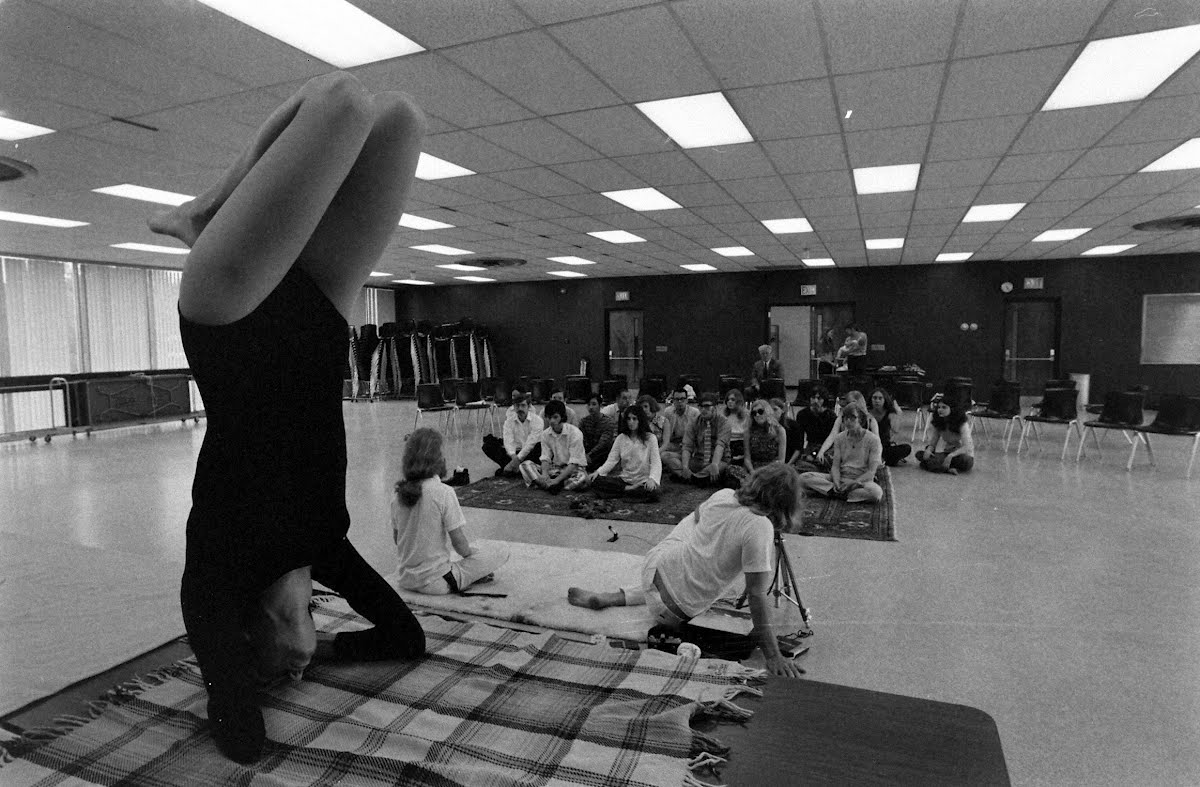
<point x="536" y="579"/>
<point x="69" y="612"/>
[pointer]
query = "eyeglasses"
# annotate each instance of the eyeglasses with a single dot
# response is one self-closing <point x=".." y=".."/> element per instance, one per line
<point x="760" y="411"/>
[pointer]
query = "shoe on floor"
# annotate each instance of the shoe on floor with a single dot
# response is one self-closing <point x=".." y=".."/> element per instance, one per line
<point x="460" y="478"/>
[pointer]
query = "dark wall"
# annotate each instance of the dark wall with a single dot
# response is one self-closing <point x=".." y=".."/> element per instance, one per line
<point x="711" y="323"/>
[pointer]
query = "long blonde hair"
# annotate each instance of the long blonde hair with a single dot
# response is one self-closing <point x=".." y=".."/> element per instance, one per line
<point x="422" y="459"/>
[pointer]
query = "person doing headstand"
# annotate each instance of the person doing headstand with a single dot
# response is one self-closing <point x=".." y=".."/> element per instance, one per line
<point x="280" y="248"/>
<point x="730" y="534"/>
<point x="428" y="525"/>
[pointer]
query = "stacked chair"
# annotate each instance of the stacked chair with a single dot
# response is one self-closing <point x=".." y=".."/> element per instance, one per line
<point x="1003" y="404"/>
<point x="577" y="388"/>
<point x="1178" y="416"/>
<point x="654" y="385"/>
<point x="728" y="383"/>
<point x="1122" y="410"/>
<point x="1059" y="405"/>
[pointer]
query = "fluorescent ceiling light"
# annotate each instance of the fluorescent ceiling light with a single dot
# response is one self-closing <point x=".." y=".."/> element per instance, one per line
<point x="151" y="247"/>
<point x="785" y="226"/>
<point x="473" y="278"/>
<point x="1126" y="68"/>
<point x="885" y="243"/>
<point x="568" y="274"/>
<point x="699" y="121"/>
<point x="700" y="266"/>
<point x="617" y="236"/>
<point x="1186" y="156"/>
<point x="437" y="248"/>
<point x="954" y="256"/>
<point x="1060" y="235"/>
<point x="415" y="282"/>
<point x="13" y="130"/>
<point x="454" y="266"/>
<point x="883" y="180"/>
<point x="418" y="223"/>
<point x="818" y="262"/>
<point x="377" y="273"/>
<point x="433" y="168"/>
<point x="45" y="221"/>
<point x="130" y="191"/>
<point x="571" y="260"/>
<point x="733" y="251"/>
<point x="333" y="30"/>
<point x="1001" y="211"/>
<point x="1114" y="249"/>
<point x="642" y="199"/>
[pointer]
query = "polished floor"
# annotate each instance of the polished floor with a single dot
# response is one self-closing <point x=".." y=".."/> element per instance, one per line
<point x="1061" y="598"/>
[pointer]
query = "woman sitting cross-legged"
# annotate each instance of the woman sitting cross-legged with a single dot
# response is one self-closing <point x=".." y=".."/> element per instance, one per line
<point x="427" y="522"/>
<point x="839" y="424"/>
<point x="729" y="534"/>
<point x="952" y="430"/>
<point x="766" y="441"/>
<point x="636" y="449"/>
<point x="857" y="454"/>
<point x="885" y="411"/>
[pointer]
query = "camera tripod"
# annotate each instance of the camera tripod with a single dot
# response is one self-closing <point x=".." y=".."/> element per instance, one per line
<point x="783" y="586"/>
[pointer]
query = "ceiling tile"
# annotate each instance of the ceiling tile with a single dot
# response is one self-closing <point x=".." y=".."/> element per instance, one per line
<point x="809" y="154"/>
<point x="1069" y="129"/>
<point x="901" y="97"/>
<point x="733" y="161"/>
<point x="966" y="139"/>
<point x="540" y="181"/>
<point x="953" y="174"/>
<point x="884" y="147"/>
<point x="1117" y="159"/>
<point x="1175" y="118"/>
<point x="794" y="109"/>
<point x="541" y="208"/>
<point x="946" y="198"/>
<point x="723" y="214"/>
<point x="870" y="35"/>
<point x="769" y="189"/>
<point x="845" y="221"/>
<point x="886" y="203"/>
<point x="1077" y="188"/>
<point x="829" y="206"/>
<point x="1003" y="84"/>
<point x="820" y="184"/>
<point x="615" y="131"/>
<point x="694" y="195"/>
<point x="989" y="27"/>
<point x="779" y="209"/>
<point x="436" y="25"/>
<point x="1009" y="192"/>
<point x="599" y="175"/>
<point x="468" y="149"/>
<point x="482" y="187"/>
<point x="539" y="141"/>
<point x="663" y="169"/>
<point x="1017" y="169"/>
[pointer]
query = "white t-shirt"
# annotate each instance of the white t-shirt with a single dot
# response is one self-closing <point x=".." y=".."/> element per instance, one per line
<point x="423" y="547"/>
<point x="697" y="561"/>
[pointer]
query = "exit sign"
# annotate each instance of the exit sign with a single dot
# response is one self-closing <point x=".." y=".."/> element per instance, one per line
<point x="1035" y="283"/>
<point x="622" y="295"/>
<point x="808" y="289"/>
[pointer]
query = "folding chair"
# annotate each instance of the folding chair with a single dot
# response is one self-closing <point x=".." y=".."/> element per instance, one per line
<point x="1004" y="404"/>
<point x="773" y="388"/>
<point x="611" y="389"/>
<point x="578" y="388"/>
<point x="1058" y="406"/>
<point x="468" y="397"/>
<point x="1122" y="410"/>
<point x="728" y="383"/>
<point x="910" y="395"/>
<point x="653" y="385"/>
<point x="430" y="400"/>
<point x="1177" y="415"/>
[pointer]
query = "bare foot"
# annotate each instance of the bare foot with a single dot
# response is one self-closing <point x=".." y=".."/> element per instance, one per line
<point x="183" y="222"/>
<point x="584" y="598"/>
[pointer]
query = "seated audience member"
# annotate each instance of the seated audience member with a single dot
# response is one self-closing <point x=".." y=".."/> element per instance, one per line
<point x="851" y="398"/>
<point x="636" y="449"/>
<point x="678" y="416"/>
<point x="704" y="445"/>
<point x="737" y="416"/>
<point x="952" y="430"/>
<point x="562" y="457"/>
<point x="885" y="411"/>
<point x="427" y="523"/>
<point x="765" y="368"/>
<point x="766" y="441"/>
<point x="814" y="423"/>
<point x="522" y="435"/>
<point x="794" y="438"/>
<point x="654" y="416"/>
<point x="729" y="534"/>
<point x="614" y="409"/>
<point x="826" y="349"/>
<point x="572" y="417"/>
<point x="857" y="454"/>
<point x="599" y="431"/>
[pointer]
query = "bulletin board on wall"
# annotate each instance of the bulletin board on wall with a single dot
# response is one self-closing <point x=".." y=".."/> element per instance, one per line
<point x="1171" y="329"/>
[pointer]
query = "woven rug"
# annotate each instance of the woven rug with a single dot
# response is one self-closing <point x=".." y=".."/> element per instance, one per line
<point x="485" y="706"/>
<point x="839" y="519"/>
<point x="511" y="494"/>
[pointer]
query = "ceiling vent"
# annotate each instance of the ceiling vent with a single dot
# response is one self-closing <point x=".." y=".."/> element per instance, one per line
<point x="1169" y="224"/>
<point x="491" y="261"/>
<point x="11" y="169"/>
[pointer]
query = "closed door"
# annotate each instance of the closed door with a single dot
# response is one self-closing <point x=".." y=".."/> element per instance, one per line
<point x="625" y="344"/>
<point x="792" y="340"/>
<point x="1031" y="343"/>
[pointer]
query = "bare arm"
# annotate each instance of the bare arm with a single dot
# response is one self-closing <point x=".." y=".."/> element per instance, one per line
<point x="458" y="540"/>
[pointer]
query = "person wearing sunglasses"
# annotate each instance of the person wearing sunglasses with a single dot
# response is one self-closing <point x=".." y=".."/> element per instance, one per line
<point x="766" y="441"/>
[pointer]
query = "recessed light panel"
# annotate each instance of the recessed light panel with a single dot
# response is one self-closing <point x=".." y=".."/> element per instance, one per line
<point x="414" y="282"/>
<point x="787" y="226"/>
<point x="818" y="262"/>
<point x="884" y="180"/>
<point x="1060" y="235"/>
<point x="699" y="266"/>
<point x="377" y="274"/>
<point x="454" y="266"/>
<point x="699" y="121"/>
<point x="45" y="221"/>
<point x="953" y="256"/>
<point x="733" y="251"/>
<point x="885" y="243"/>
<point x="437" y="248"/>
<point x="1116" y="248"/>
<point x="13" y="130"/>
<point x="1186" y="156"/>
<point x="433" y="168"/>
<point x="130" y="191"/>
<point x="1126" y="68"/>
<point x="571" y="260"/>
<point x="617" y="236"/>
<point x="643" y="199"/>
<point x="1001" y="211"/>
<point x="333" y="30"/>
<point x="418" y="223"/>
<point x="474" y="278"/>
<point x="151" y="247"/>
<point x="568" y="274"/>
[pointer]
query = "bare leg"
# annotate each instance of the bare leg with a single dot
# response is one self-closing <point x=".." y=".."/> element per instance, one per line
<point x="594" y="599"/>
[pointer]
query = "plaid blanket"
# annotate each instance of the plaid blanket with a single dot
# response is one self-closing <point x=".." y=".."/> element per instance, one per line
<point x="486" y="706"/>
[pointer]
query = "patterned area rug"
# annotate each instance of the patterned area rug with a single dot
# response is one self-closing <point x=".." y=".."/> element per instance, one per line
<point x="822" y="516"/>
<point x="485" y="706"/>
